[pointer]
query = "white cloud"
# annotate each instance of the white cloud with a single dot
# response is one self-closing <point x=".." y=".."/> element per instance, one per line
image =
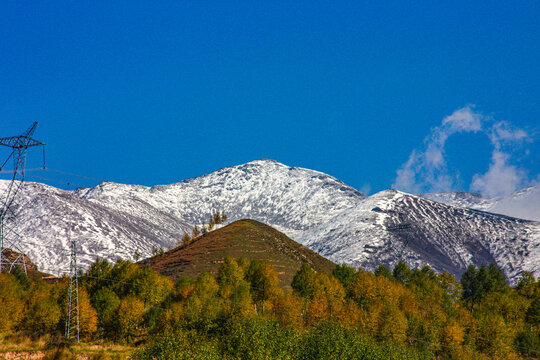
<point x="406" y="176"/>
<point x="502" y="133"/>
<point x="366" y="189"/>
<point x="426" y="171"/>
<point x="501" y="178"/>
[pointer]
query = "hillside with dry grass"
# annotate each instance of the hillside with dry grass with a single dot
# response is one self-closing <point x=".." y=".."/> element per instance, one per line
<point x="247" y="239"/>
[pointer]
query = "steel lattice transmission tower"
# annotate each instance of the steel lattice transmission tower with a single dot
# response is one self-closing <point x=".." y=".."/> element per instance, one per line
<point x="72" y="318"/>
<point x="8" y="235"/>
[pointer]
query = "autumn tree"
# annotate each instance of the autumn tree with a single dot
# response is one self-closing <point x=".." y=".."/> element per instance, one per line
<point x="230" y="273"/>
<point x="130" y="318"/>
<point x="223" y="216"/>
<point x="532" y="316"/>
<point x="44" y="313"/>
<point x="203" y="306"/>
<point x="263" y="280"/>
<point x="217" y="218"/>
<point x="235" y="289"/>
<point x="12" y="309"/>
<point x="149" y="286"/>
<point x="87" y="316"/>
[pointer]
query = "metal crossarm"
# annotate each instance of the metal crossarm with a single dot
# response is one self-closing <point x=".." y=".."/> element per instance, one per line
<point x="19" y="145"/>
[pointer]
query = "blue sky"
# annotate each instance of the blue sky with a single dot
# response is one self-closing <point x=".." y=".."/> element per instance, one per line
<point x="156" y="92"/>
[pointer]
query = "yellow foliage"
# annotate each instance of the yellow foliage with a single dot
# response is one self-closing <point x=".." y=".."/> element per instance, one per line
<point x="392" y="324"/>
<point x="318" y="309"/>
<point x="288" y="310"/>
<point x="363" y="289"/>
<point x="11" y="303"/>
<point x="43" y="314"/>
<point x="453" y="334"/>
<point x="130" y="317"/>
<point x="495" y="338"/>
<point x="171" y="318"/>
<point x="87" y="315"/>
<point x="348" y="313"/>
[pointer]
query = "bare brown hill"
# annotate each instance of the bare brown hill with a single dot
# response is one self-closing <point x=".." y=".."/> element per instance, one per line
<point x="31" y="269"/>
<point x="247" y="239"/>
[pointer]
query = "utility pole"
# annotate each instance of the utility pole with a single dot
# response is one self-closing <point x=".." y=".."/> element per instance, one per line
<point x="72" y="318"/>
<point x="8" y="235"/>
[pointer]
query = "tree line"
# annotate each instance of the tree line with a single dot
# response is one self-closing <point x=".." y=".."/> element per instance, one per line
<point x="243" y="313"/>
<point x="217" y="218"/>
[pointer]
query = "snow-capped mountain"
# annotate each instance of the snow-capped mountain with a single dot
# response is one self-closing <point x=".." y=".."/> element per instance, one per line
<point x="524" y="203"/>
<point x="391" y="225"/>
<point x="49" y="218"/>
<point x="313" y="208"/>
<point x="289" y="198"/>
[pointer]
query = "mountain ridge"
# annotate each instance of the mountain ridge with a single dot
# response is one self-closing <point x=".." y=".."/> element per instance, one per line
<point x="313" y="208"/>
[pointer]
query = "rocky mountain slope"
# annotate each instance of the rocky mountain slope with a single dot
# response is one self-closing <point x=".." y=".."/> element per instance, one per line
<point x="310" y="207"/>
<point x="391" y="225"/>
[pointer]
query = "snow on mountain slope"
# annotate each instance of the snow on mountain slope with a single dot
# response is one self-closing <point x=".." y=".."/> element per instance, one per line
<point x="445" y="237"/>
<point x="524" y="203"/>
<point x="289" y="198"/>
<point x="313" y="208"/>
<point x="51" y="217"/>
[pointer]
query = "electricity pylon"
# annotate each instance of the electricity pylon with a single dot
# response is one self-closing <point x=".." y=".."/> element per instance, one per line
<point x="72" y="316"/>
<point x="8" y="236"/>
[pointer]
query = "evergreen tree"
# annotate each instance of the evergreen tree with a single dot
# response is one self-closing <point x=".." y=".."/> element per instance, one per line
<point x="304" y="281"/>
<point x="472" y="289"/>
<point x="477" y="284"/>
<point x="402" y="273"/>
<point x="532" y="316"/>
<point x="264" y="281"/>
<point x="196" y="232"/>
<point x="217" y="218"/>
<point x="526" y="285"/>
<point x="384" y="270"/>
<point x="186" y="239"/>
<point x="345" y="274"/>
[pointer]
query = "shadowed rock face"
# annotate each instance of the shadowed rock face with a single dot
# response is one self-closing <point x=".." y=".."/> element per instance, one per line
<point x="116" y="220"/>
